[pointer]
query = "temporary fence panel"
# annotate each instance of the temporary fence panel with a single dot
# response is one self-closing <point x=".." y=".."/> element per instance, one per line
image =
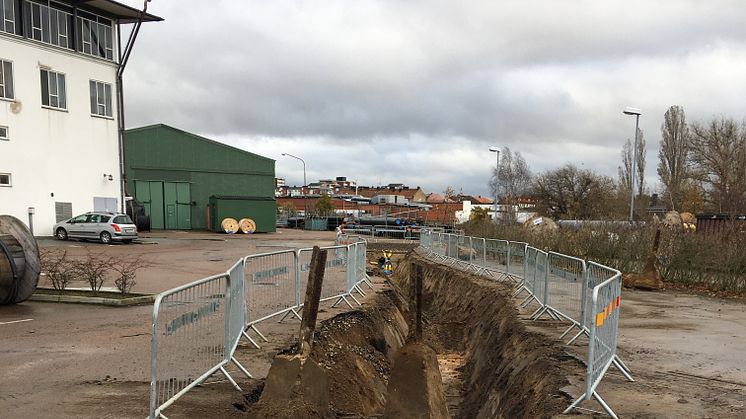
<point x="604" y="313"/>
<point x="540" y="277"/>
<point x="529" y="277"/>
<point x="496" y="254"/>
<point x="516" y="259"/>
<point x="566" y="285"/>
<point x="188" y="339"/>
<point x="335" y="274"/>
<point x="271" y="285"/>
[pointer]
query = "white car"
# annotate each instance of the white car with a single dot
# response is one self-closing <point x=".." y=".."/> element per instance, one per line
<point x="105" y="226"/>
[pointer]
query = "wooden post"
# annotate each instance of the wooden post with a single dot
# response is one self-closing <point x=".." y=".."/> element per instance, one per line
<point x="311" y="302"/>
<point x="416" y="282"/>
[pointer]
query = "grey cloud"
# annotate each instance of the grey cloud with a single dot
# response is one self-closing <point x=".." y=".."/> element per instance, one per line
<point x="547" y="78"/>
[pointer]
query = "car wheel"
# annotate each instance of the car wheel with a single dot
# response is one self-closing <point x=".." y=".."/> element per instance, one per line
<point x="105" y="237"/>
<point x="61" y="234"/>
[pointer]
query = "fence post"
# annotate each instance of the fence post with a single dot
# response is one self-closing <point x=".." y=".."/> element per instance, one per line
<point x="296" y="257"/>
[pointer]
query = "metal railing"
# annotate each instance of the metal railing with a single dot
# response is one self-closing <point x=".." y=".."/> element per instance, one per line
<point x="196" y="327"/>
<point x="195" y="331"/>
<point x="583" y="293"/>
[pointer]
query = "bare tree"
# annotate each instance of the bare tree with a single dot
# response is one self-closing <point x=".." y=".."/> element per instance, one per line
<point x="569" y="192"/>
<point x="625" y="170"/>
<point x="718" y="152"/>
<point x="641" y="154"/>
<point x="673" y="156"/>
<point x="512" y="178"/>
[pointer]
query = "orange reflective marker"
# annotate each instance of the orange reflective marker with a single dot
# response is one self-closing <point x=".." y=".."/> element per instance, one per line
<point x="600" y="317"/>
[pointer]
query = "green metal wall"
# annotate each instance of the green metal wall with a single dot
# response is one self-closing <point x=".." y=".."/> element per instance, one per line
<point x="176" y="158"/>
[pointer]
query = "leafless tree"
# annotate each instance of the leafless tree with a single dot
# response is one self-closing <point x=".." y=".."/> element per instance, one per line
<point x="625" y="170"/>
<point x="673" y="156"/>
<point x="641" y="154"/>
<point x="126" y="270"/>
<point x="571" y="193"/>
<point x="58" y="268"/>
<point x="718" y="153"/>
<point x="512" y="179"/>
<point x="93" y="269"/>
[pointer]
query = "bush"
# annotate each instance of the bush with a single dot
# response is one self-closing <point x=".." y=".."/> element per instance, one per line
<point x="126" y="270"/>
<point x="715" y="260"/>
<point x="60" y="270"/>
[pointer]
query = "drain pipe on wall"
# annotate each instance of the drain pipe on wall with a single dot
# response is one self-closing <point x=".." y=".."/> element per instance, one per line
<point x="124" y="56"/>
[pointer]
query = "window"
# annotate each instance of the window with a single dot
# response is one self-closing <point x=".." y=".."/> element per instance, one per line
<point x="8" y="16"/>
<point x="4" y="133"/>
<point x="53" y="89"/>
<point x="6" y="80"/>
<point x="80" y="218"/>
<point x="122" y="219"/>
<point x="46" y="24"/>
<point x="96" y="37"/>
<point x="100" y="98"/>
<point x="5" y="179"/>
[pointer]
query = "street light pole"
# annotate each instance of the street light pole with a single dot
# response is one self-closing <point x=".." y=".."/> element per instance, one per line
<point x="636" y="112"/>
<point x="497" y="173"/>
<point x="305" y="209"/>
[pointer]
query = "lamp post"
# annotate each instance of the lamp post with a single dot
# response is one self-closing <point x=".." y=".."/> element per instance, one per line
<point x="305" y="209"/>
<point x="497" y="173"/>
<point x="636" y="112"/>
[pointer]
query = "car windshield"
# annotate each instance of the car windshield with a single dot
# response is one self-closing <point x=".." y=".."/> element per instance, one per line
<point x="123" y="219"/>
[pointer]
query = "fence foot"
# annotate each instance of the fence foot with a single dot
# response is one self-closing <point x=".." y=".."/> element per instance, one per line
<point x="228" y="376"/>
<point x="600" y="401"/>
<point x="252" y="341"/>
<point x="359" y="290"/>
<point x="622" y="368"/>
<point x="582" y="332"/>
<point x="258" y="333"/>
<point x="288" y="313"/>
<point x="355" y="299"/>
<point x="241" y="367"/>
<point x="538" y="313"/>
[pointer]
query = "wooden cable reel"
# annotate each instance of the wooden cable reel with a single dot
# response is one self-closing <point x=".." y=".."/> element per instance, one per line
<point x="20" y="264"/>
<point x="229" y="225"/>
<point x="247" y="225"/>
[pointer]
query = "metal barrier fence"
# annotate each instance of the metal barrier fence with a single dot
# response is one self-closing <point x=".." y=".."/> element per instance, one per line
<point x="195" y="331"/>
<point x="585" y="294"/>
<point x="196" y="327"/>
<point x="604" y="309"/>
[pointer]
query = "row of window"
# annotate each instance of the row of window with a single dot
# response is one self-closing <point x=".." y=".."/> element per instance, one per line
<point x="53" y="90"/>
<point x="48" y="22"/>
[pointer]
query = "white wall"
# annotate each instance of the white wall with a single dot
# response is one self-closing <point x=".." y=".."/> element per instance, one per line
<point x="55" y="152"/>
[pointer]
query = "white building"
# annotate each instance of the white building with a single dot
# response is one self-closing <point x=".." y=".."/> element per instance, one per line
<point x="59" y="127"/>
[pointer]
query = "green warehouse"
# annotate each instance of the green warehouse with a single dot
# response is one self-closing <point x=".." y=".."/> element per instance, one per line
<point x="189" y="182"/>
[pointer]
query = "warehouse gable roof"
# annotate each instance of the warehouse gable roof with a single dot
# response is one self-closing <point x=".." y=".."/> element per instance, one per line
<point x="197" y="137"/>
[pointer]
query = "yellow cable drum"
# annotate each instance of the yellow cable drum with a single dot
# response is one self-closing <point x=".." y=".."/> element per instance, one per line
<point x="229" y="225"/>
<point x="247" y="225"/>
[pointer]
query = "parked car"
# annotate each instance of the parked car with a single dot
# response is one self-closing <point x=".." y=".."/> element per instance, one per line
<point x="105" y="226"/>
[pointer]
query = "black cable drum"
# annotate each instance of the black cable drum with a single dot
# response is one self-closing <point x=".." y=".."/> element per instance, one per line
<point x="19" y="261"/>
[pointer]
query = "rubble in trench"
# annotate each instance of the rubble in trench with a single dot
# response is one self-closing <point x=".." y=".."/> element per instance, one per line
<point x="490" y="365"/>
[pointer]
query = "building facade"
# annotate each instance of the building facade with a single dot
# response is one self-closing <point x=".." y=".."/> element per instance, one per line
<point x="59" y="144"/>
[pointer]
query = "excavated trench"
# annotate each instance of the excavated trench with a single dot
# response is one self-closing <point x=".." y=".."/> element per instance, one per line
<point x="491" y="366"/>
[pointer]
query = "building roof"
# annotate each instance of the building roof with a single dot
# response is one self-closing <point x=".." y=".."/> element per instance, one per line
<point x="370" y="192"/>
<point x="119" y="11"/>
<point x="164" y="126"/>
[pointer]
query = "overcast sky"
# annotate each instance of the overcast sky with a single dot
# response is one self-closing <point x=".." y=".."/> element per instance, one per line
<point x="415" y="92"/>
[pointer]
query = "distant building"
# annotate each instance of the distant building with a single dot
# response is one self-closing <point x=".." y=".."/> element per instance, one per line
<point x="176" y="174"/>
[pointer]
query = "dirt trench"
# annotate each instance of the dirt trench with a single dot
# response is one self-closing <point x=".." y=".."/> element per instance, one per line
<point x="492" y="366"/>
